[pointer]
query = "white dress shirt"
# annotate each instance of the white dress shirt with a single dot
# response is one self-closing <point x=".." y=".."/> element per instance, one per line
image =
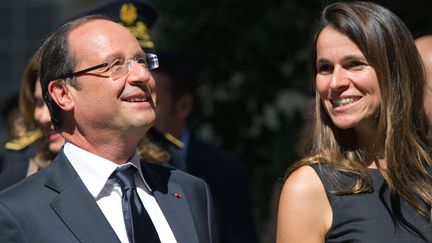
<point x="95" y="171"/>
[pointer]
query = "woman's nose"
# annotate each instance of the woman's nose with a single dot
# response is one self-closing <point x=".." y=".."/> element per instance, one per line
<point x="339" y="78"/>
<point x="42" y="115"/>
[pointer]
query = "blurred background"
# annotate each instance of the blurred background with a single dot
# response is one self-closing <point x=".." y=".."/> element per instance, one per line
<point x="250" y="58"/>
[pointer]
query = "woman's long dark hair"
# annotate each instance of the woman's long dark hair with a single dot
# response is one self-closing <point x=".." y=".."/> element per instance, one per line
<point x="401" y="139"/>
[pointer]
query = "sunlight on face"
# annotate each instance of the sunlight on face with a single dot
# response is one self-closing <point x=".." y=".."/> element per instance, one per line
<point x="347" y="84"/>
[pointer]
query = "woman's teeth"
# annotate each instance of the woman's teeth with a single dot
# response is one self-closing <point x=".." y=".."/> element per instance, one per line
<point x="344" y="101"/>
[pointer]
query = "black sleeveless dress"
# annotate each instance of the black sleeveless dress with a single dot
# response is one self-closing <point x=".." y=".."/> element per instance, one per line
<point x="373" y="217"/>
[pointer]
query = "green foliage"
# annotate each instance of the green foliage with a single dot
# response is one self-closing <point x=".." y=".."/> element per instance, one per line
<point x="251" y="62"/>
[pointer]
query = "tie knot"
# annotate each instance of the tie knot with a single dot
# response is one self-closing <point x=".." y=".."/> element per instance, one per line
<point x="125" y="177"/>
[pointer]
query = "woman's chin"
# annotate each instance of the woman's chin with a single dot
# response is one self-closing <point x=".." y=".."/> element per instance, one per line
<point x="55" y="147"/>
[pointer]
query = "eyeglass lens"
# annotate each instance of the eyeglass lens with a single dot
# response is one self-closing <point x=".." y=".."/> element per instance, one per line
<point x="151" y="62"/>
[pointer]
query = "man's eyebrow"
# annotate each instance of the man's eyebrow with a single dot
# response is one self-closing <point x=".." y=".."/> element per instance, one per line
<point x="113" y="56"/>
<point x="139" y="54"/>
<point x="118" y="55"/>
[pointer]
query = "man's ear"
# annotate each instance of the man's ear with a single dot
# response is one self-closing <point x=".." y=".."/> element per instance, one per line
<point x="59" y="92"/>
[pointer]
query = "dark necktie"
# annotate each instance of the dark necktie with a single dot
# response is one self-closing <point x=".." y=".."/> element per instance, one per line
<point x="139" y="227"/>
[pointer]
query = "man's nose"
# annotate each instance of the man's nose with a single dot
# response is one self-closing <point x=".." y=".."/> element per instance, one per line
<point x="138" y="74"/>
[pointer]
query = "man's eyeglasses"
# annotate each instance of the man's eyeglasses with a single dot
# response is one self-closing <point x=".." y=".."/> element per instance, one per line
<point x="118" y="68"/>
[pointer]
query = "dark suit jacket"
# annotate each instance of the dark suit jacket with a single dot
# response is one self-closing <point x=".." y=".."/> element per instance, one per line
<point x="228" y="179"/>
<point x="54" y="206"/>
<point x="14" y="166"/>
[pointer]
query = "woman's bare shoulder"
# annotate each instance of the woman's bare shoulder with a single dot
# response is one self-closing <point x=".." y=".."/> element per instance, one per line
<point x="303" y="181"/>
<point x="304" y="210"/>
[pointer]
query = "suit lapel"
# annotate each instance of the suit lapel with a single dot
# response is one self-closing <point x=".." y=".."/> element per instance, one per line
<point x="173" y="203"/>
<point x="177" y="213"/>
<point x="75" y="206"/>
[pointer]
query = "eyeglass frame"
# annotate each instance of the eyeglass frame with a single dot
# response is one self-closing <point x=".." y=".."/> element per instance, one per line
<point x="148" y="56"/>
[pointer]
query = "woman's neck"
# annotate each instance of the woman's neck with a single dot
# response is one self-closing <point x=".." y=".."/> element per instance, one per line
<point x="367" y="139"/>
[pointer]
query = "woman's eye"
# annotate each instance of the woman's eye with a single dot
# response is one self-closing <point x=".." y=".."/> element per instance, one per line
<point x="39" y="103"/>
<point x="354" y="64"/>
<point x="324" y="68"/>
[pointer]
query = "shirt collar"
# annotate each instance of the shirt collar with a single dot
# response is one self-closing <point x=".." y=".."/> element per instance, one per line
<point x="94" y="170"/>
<point x="135" y="161"/>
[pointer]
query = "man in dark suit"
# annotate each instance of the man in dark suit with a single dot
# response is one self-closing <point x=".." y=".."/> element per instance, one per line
<point x="138" y="16"/>
<point x="98" y="88"/>
<point x="226" y="175"/>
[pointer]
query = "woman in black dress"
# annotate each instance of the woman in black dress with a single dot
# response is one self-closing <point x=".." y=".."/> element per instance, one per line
<point x="366" y="174"/>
